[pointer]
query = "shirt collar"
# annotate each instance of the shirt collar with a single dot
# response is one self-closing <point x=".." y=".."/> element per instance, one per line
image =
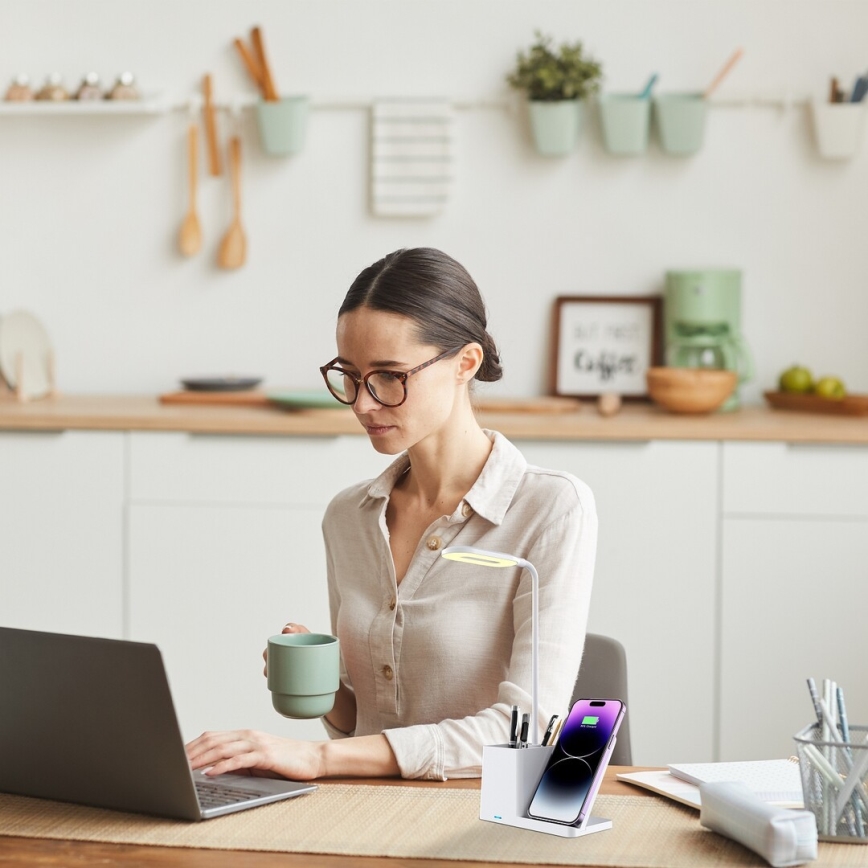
<point x="491" y="494"/>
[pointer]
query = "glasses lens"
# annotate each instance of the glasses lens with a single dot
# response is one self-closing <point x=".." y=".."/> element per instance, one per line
<point x="386" y="388"/>
<point x="341" y="385"/>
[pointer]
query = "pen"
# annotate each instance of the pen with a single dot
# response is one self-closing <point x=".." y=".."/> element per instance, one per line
<point x="812" y="688"/>
<point x="845" y="735"/>
<point x="525" y="722"/>
<point x="513" y="726"/>
<point x="549" y="729"/>
<point x="557" y="733"/>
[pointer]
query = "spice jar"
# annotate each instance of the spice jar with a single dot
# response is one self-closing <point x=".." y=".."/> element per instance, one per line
<point x="124" y="87"/>
<point x="20" y="90"/>
<point x="89" y="88"/>
<point x="53" y="89"/>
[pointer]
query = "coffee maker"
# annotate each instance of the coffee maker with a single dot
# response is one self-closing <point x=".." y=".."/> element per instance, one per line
<point x="702" y="323"/>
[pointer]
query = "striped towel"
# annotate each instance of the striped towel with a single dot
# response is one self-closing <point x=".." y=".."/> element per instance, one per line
<point x="411" y="157"/>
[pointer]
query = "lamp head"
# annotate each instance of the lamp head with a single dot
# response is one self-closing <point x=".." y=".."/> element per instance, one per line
<point x="481" y="557"/>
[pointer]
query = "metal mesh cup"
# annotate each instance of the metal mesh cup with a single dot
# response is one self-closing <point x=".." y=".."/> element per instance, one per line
<point x="835" y="782"/>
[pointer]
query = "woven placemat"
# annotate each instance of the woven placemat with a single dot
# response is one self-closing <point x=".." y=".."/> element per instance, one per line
<point x="410" y="822"/>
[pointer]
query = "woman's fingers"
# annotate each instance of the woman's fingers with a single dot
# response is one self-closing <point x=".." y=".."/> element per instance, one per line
<point x="294" y="628"/>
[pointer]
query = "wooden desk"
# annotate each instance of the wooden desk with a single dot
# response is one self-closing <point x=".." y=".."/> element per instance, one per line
<point x="42" y="851"/>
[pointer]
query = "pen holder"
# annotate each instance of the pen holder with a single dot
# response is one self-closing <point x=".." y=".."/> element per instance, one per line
<point x="838" y="128"/>
<point x="834" y="778"/>
<point x="509" y="780"/>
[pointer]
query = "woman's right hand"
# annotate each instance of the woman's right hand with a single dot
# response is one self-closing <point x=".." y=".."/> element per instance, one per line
<point x="287" y="628"/>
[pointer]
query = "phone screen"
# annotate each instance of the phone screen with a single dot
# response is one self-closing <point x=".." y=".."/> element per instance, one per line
<point x="575" y="760"/>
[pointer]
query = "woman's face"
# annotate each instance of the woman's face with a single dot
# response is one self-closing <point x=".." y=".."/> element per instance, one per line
<point x="378" y="340"/>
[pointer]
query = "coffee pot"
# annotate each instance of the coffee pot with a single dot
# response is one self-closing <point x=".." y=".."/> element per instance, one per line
<point x="702" y="322"/>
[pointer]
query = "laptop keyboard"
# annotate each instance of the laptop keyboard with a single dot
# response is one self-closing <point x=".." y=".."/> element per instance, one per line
<point x="216" y="795"/>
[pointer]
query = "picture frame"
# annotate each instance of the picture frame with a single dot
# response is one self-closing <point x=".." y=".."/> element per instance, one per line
<point x="605" y="344"/>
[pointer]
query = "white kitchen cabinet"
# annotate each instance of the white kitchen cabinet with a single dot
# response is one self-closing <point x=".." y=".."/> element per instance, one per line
<point x="794" y="568"/>
<point x="224" y="548"/>
<point x="61" y="531"/>
<point x="655" y="582"/>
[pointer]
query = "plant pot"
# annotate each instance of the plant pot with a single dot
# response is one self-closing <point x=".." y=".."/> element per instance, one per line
<point x="838" y="128"/>
<point x="555" y="126"/>
<point x="625" y="119"/>
<point x="283" y="125"/>
<point x="680" y="122"/>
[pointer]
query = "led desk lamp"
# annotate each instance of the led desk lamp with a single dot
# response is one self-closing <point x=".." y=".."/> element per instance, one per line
<point x="510" y="775"/>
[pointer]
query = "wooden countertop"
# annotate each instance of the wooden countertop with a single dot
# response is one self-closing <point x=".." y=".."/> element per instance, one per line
<point x="635" y="422"/>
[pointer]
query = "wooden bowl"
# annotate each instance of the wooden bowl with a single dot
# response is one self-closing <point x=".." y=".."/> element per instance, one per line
<point x="690" y="390"/>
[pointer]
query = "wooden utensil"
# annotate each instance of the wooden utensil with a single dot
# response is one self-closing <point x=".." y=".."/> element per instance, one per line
<point x="214" y="164"/>
<point x="190" y="236"/>
<point x="233" y="248"/>
<point x="269" y="89"/>
<point x="736" y="56"/>
<point x="251" y="63"/>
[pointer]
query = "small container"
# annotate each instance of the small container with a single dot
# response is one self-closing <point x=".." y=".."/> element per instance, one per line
<point x="20" y="90"/>
<point x="680" y="122"/>
<point x="53" y="89"/>
<point x="124" y="88"/>
<point x="89" y="89"/>
<point x="283" y="125"/>
<point x="556" y="126"/>
<point x="838" y="128"/>
<point x="625" y="119"/>
<point x="834" y="779"/>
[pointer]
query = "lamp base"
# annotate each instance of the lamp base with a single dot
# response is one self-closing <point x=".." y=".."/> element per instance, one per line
<point x="509" y="780"/>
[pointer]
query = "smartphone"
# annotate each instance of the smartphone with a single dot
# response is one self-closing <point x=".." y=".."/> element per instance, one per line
<point x="575" y="769"/>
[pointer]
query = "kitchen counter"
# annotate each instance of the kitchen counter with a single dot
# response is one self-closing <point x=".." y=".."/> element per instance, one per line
<point x="636" y="422"/>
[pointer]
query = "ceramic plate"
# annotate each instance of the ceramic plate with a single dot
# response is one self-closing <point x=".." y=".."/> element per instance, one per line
<point x="23" y="336"/>
<point x="306" y="399"/>
<point x="220" y="384"/>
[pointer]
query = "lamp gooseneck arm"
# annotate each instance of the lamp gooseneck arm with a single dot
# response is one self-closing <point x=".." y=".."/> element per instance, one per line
<point x="534" y="733"/>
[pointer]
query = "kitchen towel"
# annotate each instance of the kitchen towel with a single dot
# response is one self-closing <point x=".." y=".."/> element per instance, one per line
<point x="412" y="157"/>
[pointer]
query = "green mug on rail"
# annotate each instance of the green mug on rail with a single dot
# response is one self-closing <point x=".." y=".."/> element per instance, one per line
<point x="303" y="673"/>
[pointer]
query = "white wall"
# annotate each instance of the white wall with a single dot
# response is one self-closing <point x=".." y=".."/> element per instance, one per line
<point x="89" y="208"/>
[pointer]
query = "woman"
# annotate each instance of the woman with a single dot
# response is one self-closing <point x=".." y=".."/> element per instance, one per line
<point x="434" y="654"/>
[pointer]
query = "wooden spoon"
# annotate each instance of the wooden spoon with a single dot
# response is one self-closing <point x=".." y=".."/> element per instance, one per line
<point x="233" y="247"/>
<point x="190" y="237"/>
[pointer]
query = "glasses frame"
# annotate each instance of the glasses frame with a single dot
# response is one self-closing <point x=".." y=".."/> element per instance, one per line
<point x="401" y="376"/>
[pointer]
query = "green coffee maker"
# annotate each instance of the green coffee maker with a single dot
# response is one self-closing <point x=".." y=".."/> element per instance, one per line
<point x="702" y="323"/>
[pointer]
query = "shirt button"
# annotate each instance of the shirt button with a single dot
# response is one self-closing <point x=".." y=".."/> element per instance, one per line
<point x="392" y="604"/>
<point x="434" y="543"/>
<point x="388" y="673"/>
<point x="466" y="510"/>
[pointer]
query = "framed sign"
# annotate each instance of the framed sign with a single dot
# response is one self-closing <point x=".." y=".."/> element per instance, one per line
<point x="605" y="344"/>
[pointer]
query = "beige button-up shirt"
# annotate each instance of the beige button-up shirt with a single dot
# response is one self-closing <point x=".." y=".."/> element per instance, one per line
<point x="437" y="662"/>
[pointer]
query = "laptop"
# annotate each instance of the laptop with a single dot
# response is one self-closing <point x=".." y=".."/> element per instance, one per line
<point x="92" y="721"/>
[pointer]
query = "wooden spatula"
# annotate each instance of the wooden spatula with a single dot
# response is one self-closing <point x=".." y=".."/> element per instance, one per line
<point x="233" y="248"/>
<point x="190" y="236"/>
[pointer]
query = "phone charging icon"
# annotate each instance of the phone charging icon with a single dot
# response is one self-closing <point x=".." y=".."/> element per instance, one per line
<point x="590" y="720"/>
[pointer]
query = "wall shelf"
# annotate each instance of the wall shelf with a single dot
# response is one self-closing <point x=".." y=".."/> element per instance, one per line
<point x="152" y="104"/>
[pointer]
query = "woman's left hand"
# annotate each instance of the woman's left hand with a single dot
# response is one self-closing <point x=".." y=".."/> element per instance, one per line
<point x="257" y="753"/>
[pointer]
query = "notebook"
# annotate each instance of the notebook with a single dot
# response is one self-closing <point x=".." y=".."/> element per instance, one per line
<point x="91" y="721"/>
<point x="775" y="781"/>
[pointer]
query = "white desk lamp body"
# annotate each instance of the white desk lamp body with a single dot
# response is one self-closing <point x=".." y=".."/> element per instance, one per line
<point x="509" y="775"/>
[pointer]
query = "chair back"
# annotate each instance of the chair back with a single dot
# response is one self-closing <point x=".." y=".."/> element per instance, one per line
<point x="603" y="675"/>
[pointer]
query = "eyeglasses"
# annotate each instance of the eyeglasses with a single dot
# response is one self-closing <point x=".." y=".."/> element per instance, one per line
<point x="388" y="388"/>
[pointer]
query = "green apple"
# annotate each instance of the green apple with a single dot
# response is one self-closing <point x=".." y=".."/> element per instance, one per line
<point x="830" y="387"/>
<point x="796" y="379"/>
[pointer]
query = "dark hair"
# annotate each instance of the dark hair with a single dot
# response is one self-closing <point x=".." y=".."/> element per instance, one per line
<point x="437" y="293"/>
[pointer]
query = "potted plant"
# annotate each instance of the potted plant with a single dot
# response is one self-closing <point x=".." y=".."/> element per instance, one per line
<point x="556" y="82"/>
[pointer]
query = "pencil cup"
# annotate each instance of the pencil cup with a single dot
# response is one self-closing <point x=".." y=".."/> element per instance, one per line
<point x="625" y="119"/>
<point x="835" y="782"/>
<point x="680" y="122"/>
<point x="509" y="780"/>
<point x="838" y="128"/>
<point x="283" y="125"/>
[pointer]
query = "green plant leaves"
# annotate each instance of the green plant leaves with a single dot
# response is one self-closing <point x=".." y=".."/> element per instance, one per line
<point x="547" y="74"/>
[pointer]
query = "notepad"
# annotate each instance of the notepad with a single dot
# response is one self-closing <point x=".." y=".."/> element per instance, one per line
<point x="775" y="781"/>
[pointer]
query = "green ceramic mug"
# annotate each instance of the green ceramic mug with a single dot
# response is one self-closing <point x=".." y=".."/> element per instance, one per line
<point x="303" y="673"/>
